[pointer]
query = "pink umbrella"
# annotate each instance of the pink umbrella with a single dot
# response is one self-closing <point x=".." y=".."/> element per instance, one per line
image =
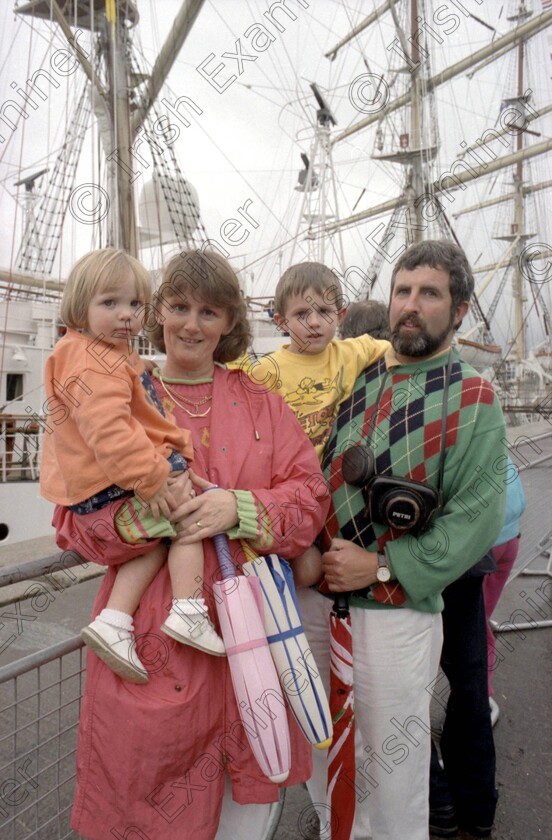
<point x="256" y="686"/>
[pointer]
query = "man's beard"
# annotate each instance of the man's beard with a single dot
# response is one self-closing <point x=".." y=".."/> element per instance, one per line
<point x="419" y="344"/>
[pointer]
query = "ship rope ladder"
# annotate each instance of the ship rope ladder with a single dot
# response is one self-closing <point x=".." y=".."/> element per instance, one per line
<point x="42" y="236"/>
<point x="181" y="204"/>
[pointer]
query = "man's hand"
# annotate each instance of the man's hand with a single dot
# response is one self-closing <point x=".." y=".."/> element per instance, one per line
<point x="346" y="566"/>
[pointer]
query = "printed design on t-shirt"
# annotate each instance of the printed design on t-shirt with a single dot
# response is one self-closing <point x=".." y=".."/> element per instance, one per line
<point x="318" y="425"/>
<point x="311" y="393"/>
<point x="314" y="403"/>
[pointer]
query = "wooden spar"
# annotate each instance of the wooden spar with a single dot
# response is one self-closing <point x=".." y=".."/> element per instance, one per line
<point x="499" y="199"/>
<point x="13" y="279"/>
<point x="180" y="30"/>
<point x="460" y="178"/>
<point x="545" y="253"/>
<point x="368" y="21"/>
<point x="61" y="20"/>
<point x="524" y="31"/>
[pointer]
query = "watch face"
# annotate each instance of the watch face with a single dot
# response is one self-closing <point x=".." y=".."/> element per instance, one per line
<point x="383" y="574"/>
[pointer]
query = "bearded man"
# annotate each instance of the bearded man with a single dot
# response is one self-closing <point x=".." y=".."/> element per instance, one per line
<point x="420" y="414"/>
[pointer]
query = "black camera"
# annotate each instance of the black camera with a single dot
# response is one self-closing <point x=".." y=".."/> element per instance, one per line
<point x="400" y="503"/>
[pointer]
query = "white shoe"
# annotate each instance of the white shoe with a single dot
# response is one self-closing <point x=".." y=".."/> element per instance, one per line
<point x="117" y="648"/>
<point x="495" y="710"/>
<point x="194" y="629"/>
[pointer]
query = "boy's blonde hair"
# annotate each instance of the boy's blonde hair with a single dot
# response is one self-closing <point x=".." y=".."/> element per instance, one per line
<point x="95" y="273"/>
<point x="307" y="275"/>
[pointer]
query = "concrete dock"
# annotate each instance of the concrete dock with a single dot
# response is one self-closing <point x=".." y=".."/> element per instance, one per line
<point x="523" y="677"/>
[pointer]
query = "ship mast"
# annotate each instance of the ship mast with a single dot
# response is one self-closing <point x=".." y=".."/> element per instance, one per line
<point x="122" y="196"/>
<point x="519" y="212"/>
<point x="114" y="83"/>
<point x="416" y="94"/>
<point x="318" y="184"/>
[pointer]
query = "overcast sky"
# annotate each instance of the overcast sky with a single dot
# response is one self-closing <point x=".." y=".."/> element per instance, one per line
<point x="243" y="149"/>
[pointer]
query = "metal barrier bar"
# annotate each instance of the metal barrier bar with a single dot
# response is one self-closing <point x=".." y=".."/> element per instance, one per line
<point x="40" y="697"/>
<point x="43" y="566"/>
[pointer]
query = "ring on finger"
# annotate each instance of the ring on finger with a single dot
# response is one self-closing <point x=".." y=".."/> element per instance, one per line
<point x="198" y="523"/>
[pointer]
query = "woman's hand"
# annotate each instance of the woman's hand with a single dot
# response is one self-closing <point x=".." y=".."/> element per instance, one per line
<point x="347" y="566"/>
<point x="208" y="514"/>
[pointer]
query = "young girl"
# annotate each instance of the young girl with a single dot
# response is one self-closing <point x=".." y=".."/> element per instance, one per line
<point x="109" y="440"/>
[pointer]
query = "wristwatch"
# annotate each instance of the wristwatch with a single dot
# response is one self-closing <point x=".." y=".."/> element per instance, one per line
<point x="383" y="572"/>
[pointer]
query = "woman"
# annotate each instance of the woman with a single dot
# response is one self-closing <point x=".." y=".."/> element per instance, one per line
<point x="152" y="759"/>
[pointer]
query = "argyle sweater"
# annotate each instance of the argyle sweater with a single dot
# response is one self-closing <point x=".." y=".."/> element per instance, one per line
<point x="406" y="442"/>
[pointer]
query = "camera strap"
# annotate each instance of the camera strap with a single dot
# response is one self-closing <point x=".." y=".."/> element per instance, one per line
<point x="373" y="418"/>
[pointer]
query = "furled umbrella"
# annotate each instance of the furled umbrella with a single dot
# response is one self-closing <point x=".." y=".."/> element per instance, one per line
<point x="256" y="686"/>
<point x="341" y="755"/>
<point x="299" y="676"/>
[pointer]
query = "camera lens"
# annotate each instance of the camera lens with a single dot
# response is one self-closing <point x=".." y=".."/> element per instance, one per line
<point x="401" y="510"/>
<point x="357" y="466"/>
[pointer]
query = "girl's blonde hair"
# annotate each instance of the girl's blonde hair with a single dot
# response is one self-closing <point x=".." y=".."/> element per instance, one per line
<point x="95" y="273"/>
<point x="208" y="276"/>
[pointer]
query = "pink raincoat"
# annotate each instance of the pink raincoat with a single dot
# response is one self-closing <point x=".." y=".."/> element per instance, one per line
<point x="151" y="758"/>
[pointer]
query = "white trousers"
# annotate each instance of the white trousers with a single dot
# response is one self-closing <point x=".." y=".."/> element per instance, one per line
<point x="396" y="656"/>
<point x="242" y="822"/>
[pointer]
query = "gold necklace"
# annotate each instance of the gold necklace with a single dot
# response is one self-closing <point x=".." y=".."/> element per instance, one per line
<point x="196" y="403"/>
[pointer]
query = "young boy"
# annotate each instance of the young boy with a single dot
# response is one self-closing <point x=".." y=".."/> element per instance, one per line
<point x="314" y="373"/>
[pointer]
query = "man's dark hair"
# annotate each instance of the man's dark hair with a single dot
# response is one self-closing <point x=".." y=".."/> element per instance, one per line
<point x="443" y="254"/>
<point x="366" y="317"/>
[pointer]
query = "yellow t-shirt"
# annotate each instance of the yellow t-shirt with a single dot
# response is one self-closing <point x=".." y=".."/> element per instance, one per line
<point x="315" y="385"/>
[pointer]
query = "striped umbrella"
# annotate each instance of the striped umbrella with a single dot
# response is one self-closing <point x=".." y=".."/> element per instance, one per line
<point x="341" y="755"/>
<point x="299" y="676"/>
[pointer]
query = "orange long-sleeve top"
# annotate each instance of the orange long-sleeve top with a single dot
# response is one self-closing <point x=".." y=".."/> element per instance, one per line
<point x="102" y="426"/>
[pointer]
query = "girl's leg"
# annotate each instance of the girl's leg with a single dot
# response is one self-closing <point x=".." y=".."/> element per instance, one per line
<point x="188" y="621"/>
<point x="111" y="634"/>
<point x="186" y="570"/>
<point x="133" y="578"/>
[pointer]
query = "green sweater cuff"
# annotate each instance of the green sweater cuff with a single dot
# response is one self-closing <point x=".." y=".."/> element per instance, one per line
<point x="247" y="527"/>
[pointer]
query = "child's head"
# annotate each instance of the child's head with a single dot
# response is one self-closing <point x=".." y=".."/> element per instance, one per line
<point x="98" y="272"/>
<point x="308" y="305"/>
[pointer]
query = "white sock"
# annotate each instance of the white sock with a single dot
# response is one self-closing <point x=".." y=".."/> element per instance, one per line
<point x="117" y="618"/>
<point x="189" y="606"/>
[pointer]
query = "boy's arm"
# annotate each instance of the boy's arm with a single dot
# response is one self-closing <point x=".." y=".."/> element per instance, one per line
<point x="362" y="351"/>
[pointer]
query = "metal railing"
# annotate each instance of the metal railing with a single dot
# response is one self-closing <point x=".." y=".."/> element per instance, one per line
<point x="40" y="697"/>
<point x="40" y="701"/>
<point x="19" y="447"/>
